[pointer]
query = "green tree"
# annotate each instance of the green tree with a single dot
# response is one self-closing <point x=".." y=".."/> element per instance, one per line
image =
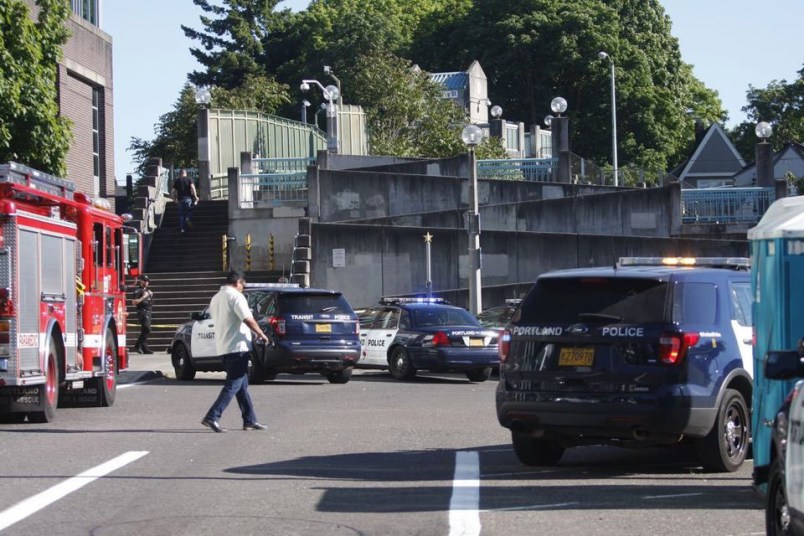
<point x="782" y="105"/>
<point x="534" y="50"/>
<point x="31" y="130"/>
<point x="405" y="113"/>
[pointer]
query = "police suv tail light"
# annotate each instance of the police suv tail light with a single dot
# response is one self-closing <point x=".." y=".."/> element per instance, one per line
<point x="278" y="325"/>
<point x="440" y="339"/>
<point x="673" y="346"/>
<point x="504" y="346"/>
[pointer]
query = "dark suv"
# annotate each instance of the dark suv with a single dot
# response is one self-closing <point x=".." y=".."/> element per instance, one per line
<point x="309" y="330"/>
<point x="649" y="352"/>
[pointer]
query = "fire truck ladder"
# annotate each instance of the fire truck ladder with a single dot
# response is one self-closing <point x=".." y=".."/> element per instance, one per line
<point x="19" y="174"/>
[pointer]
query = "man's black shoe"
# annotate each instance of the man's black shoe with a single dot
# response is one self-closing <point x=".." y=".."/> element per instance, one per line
<point x="255" y="426"/>
<point x="146" y="351"/>
<point x="214" y="425"/>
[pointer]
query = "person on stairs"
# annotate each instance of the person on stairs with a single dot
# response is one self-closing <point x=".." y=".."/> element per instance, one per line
<point x="185" y="195"/>
<point x="144" y="301"/>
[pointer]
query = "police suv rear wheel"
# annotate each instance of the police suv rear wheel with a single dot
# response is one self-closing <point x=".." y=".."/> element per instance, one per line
<point x="536" y="451"/>
<point x="725" y="447"/>
<point x="339" y="376"/>
<point x="777" y="512"/>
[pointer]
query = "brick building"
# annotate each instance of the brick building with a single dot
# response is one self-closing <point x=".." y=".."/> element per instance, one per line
<point x="85" y="96"/>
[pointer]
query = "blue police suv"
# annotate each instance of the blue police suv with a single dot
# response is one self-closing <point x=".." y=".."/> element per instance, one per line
<point x="648" y="352"/>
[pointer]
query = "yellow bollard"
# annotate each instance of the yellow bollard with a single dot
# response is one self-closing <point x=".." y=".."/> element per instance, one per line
<point x="248" y="252"/>
<point x="271" y="252"/>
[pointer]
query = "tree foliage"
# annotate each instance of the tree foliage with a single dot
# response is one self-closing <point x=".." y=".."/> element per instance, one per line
<point x="782" y="105"/>
<point x="405" y="113"/>
<point x="31" y="130"/>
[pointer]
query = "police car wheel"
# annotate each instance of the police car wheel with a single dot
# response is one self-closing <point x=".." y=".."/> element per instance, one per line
<point x="182" y="364"/>
<point x="479" y="375"/>
<point x="725" y="447"/>
<point x="777" y="513"/>
<point x="339" y="376"/>
<point x="535" y="451"/>
<point x="400" y="366"/>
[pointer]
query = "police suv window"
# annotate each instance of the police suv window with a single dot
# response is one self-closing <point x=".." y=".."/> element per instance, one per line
<point x="695" y="303"/>
<point x="741" y="300"/>
<point x="566" y="300"/>
<point x="313" y="303"/>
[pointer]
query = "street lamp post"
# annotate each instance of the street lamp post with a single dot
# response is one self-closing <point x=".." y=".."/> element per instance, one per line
<point x="472" y="135"/>
<point x="328" y="70"/>
<point x="604" y="56"/>
<point x="203" y="96"/>
<point x="764" y="155"/>
<point x="331" y="93"/>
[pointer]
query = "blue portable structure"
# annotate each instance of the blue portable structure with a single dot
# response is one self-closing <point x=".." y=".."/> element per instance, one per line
<point x="777" y="279"/>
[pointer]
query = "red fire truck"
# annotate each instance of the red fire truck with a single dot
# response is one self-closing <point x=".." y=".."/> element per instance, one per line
<point x="63" y="260"/>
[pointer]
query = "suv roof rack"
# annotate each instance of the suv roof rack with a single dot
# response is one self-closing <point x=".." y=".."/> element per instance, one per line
<point x="393" y="300"/>
<point x="734" y="263"/>
<point x="272" y="285"/>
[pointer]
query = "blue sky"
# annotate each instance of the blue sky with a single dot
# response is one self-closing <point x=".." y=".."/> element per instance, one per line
<point x="730" y="43"/>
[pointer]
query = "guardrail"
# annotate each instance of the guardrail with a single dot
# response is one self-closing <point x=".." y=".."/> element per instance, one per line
<point x="272" y="189"/>
<point x="517" y="169"/>
<point x="725" y="205"/>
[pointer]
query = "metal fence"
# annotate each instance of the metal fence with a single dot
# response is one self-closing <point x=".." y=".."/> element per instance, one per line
<point x="517" y="169"/>
<point x="279" y="181"/>
<point x="725" y="205"/>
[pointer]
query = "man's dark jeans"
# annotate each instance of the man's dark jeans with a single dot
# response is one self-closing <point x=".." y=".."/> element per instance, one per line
<point x="236" y="385"/>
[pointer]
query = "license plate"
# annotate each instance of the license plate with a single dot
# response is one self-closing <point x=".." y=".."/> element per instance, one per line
<point x="576" y="357"/>
<point x="475" y="342"/>
<point x="323" y="328"/>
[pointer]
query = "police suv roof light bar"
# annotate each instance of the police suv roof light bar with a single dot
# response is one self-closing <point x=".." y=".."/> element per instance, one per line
<point x="397" y="300"/>
<point x="735" y="263"/>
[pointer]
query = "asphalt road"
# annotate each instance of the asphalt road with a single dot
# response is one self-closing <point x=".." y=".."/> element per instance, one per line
<point x="373" y="457"/>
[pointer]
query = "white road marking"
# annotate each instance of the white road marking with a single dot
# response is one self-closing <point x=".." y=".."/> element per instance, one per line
<point x="31" y="505"/>
<point x="464" y="515"/>
<point x="672" y="496"/>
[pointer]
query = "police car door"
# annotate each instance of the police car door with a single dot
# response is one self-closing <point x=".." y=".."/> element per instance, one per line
<point x="379" y="337"/>
<point x="202" y="341"/>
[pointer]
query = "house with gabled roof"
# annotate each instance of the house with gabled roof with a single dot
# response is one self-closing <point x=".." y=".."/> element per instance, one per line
<point x="788" y="161"/>
<point x="713" y="163"/>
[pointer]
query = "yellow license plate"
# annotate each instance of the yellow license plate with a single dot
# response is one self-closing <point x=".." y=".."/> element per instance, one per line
<point x="475" y="342"/>
<point x="576" y="357"/>
<point x="323" y="328"/>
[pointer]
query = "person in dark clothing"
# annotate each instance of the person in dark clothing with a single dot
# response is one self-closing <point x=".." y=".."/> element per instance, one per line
<point x="185" y="195"/>
<point x="144" y="301"/>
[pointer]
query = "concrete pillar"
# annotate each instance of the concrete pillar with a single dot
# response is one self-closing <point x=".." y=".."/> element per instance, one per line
<point x="233" y="183"/>
<point x="781" y="188"/>
<point x="204" y="172"/>
<point x="560" y="135"/>
<point x="764" y="165"/>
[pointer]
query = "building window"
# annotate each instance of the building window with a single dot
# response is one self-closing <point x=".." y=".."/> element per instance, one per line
<point x="88" y="10"/>
<point x="96" y="98"/>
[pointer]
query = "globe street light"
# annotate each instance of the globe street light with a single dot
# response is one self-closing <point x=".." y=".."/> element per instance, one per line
<point x="203" y="95"/>
<point x="472" y="135"/>
<point x="604" y="56"/>
<point x="331" y="93"/>
<point x="764" y="156"/>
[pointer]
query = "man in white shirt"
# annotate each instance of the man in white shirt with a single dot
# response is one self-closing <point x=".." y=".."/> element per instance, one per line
<point x="233" y="326"/>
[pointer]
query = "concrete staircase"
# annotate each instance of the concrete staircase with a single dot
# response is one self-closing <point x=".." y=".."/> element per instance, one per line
<point x="186" y="270"/>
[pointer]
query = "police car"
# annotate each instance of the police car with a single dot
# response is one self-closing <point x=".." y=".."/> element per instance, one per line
<point x="405" y="335"/>
<point x="498" y="317"/>
<point x="784" y="511"/>
<point x="648" y="352"/>
<point x="309" y="330"/>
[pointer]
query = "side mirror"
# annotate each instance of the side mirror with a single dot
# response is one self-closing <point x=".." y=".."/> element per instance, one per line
<point x="199" y="316"/>
<point x="783" y="365"/>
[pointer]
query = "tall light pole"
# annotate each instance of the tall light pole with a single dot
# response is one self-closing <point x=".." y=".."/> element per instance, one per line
<point x="328" y="70"/>
<point x="472" y="135"/>
<point x="331" y="93"/>
<point x="603" y="56"/>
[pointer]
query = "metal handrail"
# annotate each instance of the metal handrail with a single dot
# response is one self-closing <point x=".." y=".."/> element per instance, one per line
<point x="725" y="205"/>
<point x="518" y="169"/>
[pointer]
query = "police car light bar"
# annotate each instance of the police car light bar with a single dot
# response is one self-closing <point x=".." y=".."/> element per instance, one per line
<point x="396" y="300"/>
<point x="737" y="263"/>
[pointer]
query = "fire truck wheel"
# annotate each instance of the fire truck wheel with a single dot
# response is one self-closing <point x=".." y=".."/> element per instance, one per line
<point x="50" y="390"/>
<point x="108" y="382"/>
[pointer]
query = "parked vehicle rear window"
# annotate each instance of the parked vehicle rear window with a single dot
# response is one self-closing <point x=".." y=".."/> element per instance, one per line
<point x="313" y="304"/>
<point x="585" y="299"/>
<point x="695" y="303"/>
<point x="443" y="317"/>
